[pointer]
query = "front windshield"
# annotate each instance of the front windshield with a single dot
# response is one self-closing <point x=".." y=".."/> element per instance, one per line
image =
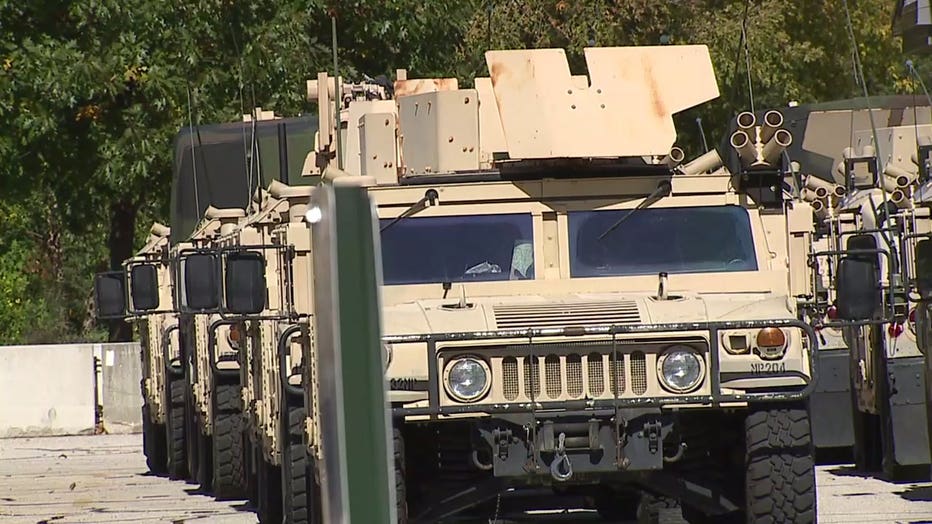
<point x="424" y="250"/>
<point x="654" y="240"/>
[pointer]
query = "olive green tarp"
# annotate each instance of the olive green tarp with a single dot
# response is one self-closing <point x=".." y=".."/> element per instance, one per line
<point x="212" y="165"/>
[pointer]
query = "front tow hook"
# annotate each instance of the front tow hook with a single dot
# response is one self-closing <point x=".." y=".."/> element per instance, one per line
<point x="561" y="469"/>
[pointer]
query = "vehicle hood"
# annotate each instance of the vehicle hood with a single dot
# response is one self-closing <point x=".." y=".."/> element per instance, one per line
<point x="588" y="310"/>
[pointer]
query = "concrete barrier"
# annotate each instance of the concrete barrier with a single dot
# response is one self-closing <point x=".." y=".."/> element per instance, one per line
<point x="59" y="389"/>
<point x="120" y="393"/>
<point x="47" y="390"/>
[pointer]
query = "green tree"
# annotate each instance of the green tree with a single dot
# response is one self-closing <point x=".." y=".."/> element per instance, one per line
<point x="92" y="93"/>
<point x="799" y="50"/>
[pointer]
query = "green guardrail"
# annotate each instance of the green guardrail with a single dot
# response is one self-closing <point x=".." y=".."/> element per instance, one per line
<point x="358" y="472"/>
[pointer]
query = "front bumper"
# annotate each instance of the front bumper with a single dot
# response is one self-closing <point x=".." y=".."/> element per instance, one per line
<point x="577" y="445"/>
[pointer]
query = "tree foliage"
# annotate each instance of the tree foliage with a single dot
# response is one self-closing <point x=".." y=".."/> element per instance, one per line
<point x="92" y="93"/>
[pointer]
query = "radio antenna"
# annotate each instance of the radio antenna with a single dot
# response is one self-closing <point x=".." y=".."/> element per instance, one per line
<point x="705" y="145"/>
<point x="337" y="92"/>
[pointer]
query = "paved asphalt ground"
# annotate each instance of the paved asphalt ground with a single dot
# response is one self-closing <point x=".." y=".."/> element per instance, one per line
<point x="60" y="480"/>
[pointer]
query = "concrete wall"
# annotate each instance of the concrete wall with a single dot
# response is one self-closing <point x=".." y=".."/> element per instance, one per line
<point x="46" y="390"/>
<point x="53" y="389"/>
<point x="120" y="392"/>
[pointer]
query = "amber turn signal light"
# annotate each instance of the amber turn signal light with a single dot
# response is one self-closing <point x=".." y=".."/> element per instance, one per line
<point x="771" y="337"/>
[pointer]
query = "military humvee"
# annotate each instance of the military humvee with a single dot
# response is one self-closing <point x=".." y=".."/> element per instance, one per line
<point x="143" y="296"/>
<point x="204" y="341"/>
<point x="874" y="228"/>
<point x="208" y="359"/>
<point x="263" y="265"/>
<point x="920" y="319"/>
<point x="568" y="307"/>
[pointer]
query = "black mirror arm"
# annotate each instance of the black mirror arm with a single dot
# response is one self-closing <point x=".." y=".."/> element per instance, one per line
<point x="430" y="197"/>
<point x="663" y="189"/>
<point x="894" y="260"/>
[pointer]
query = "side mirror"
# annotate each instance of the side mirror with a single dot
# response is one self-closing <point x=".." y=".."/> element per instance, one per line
<point x="143" y="287"/>
<point x="199" y="291"/>
<point x="110" y="295"/>
<point x="924" y="267"/>
<point x="858" y="281"/>
<point x="244" y="283"/>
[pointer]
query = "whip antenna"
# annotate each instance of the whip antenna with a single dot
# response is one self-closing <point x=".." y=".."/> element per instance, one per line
<point x="337" y="93"/>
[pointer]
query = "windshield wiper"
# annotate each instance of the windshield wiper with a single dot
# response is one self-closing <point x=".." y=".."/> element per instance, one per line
<point x="430" y="199"/>
<point x="663" y="189"/>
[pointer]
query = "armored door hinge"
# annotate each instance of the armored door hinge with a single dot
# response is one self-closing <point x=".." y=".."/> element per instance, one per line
<point x="309" y="430"/>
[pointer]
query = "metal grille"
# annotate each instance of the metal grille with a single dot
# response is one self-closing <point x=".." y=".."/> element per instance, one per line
<point x="574" y="370"/>
<point x="574" y="380"/>
<point x="510" y="378"/>
<point x="553" y="379"/>
<point x="617" y="373"/>
<point x="596" y="375"/>
<point x="638" y="373"/>
<point x="532" y="377"/>
<point x="562" y="314"/>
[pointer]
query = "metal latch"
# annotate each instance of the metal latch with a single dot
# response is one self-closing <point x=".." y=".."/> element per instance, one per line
<point x="621" y="440"/>
<point x="652" y="434"/>
<point x="594" y="443"/>
<point x="502" y="439"/>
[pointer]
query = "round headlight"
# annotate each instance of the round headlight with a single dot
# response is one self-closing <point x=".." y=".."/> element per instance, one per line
<point x="387" y="353"/>
<point x="467" y="379"/>
<point x="680" y="369"/>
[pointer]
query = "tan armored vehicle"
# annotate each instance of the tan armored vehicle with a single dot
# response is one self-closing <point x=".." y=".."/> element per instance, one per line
<point x="567" y="307"/>
<point x="148" y="277"/>
<point x="263" y="263"/>
<point x="213" y="428"/>
<point x="822" y="132"/>
<point x="203" y="341"/>
<point x="141" y="293"/>
<point x="874" y="226"/>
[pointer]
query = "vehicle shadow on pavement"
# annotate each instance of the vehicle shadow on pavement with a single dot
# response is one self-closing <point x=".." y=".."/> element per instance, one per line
<point x="242" y="505"/>
<point x="850" y="471"/>
<point x="917" y="493"/>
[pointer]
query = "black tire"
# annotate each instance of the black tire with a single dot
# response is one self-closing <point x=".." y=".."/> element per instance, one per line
<point x="154" y="443"/>
<point x="867" y="449"/>
<point x="205" y="471"/>
<point x="229" y="461"/>
<point x="252" y="470"/>
<point x="193" y="434"/>
<point x="401" y="492"/>
<point x="614" y="506"/>
<point x="269" y="507"/>
<point x="300" y="494"/>
<point x="868" y="443"/>
<point x="780" y="466"/>
<point x="175" y="431"/>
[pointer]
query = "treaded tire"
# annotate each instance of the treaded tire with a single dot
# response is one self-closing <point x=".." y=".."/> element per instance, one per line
<point x="617" y="507"/>
<point x="252" y="470"/>
<point x="300" y="494"/>
<point x="205" y="471"/>
<point x="175" y="431"/>
<point x="229" y="461"/>
<point x="269" y="507"/>
<point x="401" y="492"/>
<point x="154" y="443"/>
<point x="192" y="436"/>
<point x="780" y="466"/>
<point x="868" y="443"/>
